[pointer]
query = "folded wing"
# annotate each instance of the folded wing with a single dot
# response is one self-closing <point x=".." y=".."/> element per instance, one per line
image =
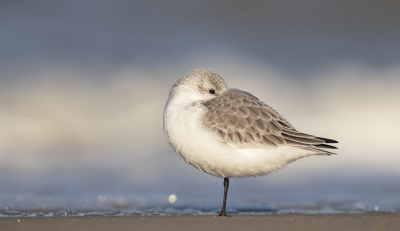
<point x="242" y="119"/>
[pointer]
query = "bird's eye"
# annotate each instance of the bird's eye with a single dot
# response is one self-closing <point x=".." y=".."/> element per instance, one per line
<point x="212" y="91"/>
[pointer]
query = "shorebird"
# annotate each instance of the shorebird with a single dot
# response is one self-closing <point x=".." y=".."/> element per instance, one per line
<point x="231" y="133"/>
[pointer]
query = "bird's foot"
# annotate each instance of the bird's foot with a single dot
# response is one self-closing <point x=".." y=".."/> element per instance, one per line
<point x="223" y="215"/>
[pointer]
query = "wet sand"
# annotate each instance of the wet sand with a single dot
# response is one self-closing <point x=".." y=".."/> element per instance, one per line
<point x="354" y="222"/>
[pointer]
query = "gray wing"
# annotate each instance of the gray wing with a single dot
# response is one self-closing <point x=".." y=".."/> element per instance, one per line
<point x="242" y="119"/>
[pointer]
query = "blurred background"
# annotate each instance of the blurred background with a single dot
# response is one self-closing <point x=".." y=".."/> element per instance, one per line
<point x="83" y="85"/>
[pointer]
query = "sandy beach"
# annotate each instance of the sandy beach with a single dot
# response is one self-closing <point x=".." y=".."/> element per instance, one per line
<point x="354" y="222"/>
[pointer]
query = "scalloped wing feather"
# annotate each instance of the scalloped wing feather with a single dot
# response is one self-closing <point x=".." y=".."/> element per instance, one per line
<point x="243" y="121"/>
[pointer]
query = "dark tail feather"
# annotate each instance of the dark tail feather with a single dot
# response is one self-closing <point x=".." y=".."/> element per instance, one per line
<point x="325" y="146"/>
<point x="328" y="141"/>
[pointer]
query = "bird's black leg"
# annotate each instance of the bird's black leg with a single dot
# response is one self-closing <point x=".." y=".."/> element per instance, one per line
<point x="226" y="186"/>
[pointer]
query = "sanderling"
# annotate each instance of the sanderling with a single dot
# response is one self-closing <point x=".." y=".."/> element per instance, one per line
<point x="229" y="132"/>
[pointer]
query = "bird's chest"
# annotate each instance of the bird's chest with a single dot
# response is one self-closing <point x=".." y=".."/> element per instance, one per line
<point x="187" y="133"/>
<point x="184" y="127"/>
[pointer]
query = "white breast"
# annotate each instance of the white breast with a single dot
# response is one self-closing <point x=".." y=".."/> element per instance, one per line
<point x="203" y="149"/>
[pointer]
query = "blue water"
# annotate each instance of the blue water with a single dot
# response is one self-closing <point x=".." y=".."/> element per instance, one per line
<point x="111" y="193"/>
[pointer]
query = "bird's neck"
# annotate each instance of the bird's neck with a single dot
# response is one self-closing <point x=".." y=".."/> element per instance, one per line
<point x="182" y="99"/>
